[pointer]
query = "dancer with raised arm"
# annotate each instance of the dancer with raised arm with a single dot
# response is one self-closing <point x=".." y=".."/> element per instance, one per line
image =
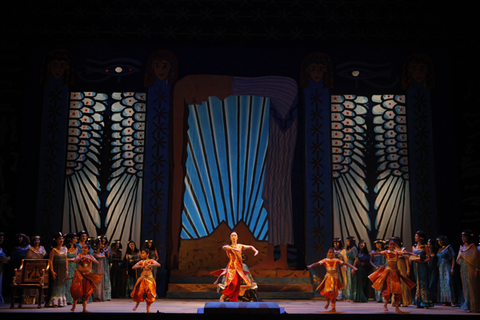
<point x="331" y="283"/>
<point x="234" y="272"/>
<point x="388" y="278"/>
<point x="84" y="281"/>
<point x="146" y="287"/>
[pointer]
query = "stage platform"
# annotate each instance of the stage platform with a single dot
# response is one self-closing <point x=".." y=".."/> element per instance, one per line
<point x="192" y="309"/>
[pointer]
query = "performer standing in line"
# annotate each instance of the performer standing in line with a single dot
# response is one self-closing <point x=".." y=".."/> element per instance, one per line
<point x="403" y="265"/>
<point x="421" y="273"/>
<point x="378" y="261"/>
<point x="234" y="271"/>
<point x="84" y="281"/>
<point x="331" y="283"/>
<point x="146" y="287"/>
<point x="59" y="272"/>
<point x="469" y="260"/>
<point x="446" y="271"/>
<point x="388" y="278"/>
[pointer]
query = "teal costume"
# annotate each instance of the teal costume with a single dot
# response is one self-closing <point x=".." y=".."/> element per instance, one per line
<point x="421" y="272"/>
<point x="354" y="282"/>
<point x="446" y="291"/>
<point x="72" y="266"/>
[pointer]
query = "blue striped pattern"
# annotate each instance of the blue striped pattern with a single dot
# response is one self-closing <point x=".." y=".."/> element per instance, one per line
<point x="227" y="142"/>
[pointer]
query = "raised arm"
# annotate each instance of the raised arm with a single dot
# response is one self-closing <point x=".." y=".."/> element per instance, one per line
<point x="315" y="264"/>
<point x="251" y="248"/>
<point x="406" y="253"/>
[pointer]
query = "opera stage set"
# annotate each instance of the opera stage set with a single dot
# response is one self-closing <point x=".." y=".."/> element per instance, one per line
<point x="317" y="120"/>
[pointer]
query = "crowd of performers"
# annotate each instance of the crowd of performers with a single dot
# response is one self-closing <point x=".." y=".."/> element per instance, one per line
<point x="84" y="269"/>
<point x="419" y="278"/>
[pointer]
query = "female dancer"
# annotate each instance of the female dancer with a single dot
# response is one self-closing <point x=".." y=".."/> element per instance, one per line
<point x="234" y="271"/>
<point x="331" y="283"/>
<point x="377" y="261"/>
<point x="84" y="281"/>
<point x="420" y="268"/>
<point x="469" y="260"/>
<point x="146" y="287"/>
<point x="152" y="254"/>
<point x="446" y="268"/>
<point x="59" y="272"/>
<point x="388" y="278"/>
<point x="404" y="268"/>
<point x="341" y="253"/>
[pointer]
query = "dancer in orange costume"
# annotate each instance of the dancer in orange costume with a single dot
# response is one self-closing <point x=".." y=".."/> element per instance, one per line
<point x="84" y="281"/>
<point x="234" y="272"/>
<point x="146" y="287"/>
<point x="388" y="278"/>
<point x="331" y="282"/>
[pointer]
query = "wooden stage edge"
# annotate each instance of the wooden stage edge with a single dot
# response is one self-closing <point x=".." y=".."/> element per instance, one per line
<point x="189" y="309"/>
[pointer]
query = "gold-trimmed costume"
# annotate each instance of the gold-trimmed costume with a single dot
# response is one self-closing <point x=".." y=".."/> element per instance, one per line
<point x="84" y="282"/>
<point x="331" y="284"/>
<point x="389" y="280"/>
<point x="145" y="287"/>
<point x="233" y="273"/>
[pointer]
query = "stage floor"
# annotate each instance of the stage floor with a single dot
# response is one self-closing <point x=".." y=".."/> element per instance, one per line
<point x="190" y="307"/>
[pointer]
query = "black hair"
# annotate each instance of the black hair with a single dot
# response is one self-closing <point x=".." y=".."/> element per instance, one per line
<point x="338" y="240"/>
<point x="365" y="249"/>
<point x="352" y="242"/>
<point x="423" y="237"/>
<point x="130" y="251"/>
<point x="444" y="240"/>
<point x="145" y="245"/>
<point x="468" y="235"/>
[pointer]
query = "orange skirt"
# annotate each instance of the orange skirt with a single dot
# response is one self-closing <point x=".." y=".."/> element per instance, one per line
<point x="83" y="284"/>
<point x="330" y="286"/>
<point x="145" y="289"/>
<point x="389" y="281"/>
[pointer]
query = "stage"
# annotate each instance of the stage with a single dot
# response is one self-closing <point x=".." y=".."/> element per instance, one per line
<point x="190" y="308"/>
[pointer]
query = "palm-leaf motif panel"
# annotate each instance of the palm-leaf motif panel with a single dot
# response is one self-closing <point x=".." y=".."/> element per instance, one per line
<point x="350" y="206"/>
<point x="124" y="202"/>
<point x="82" y="203"/>
<point x="112" y="208"/>
<point x="392" y="202"/>
<point x="227" y="142"/>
